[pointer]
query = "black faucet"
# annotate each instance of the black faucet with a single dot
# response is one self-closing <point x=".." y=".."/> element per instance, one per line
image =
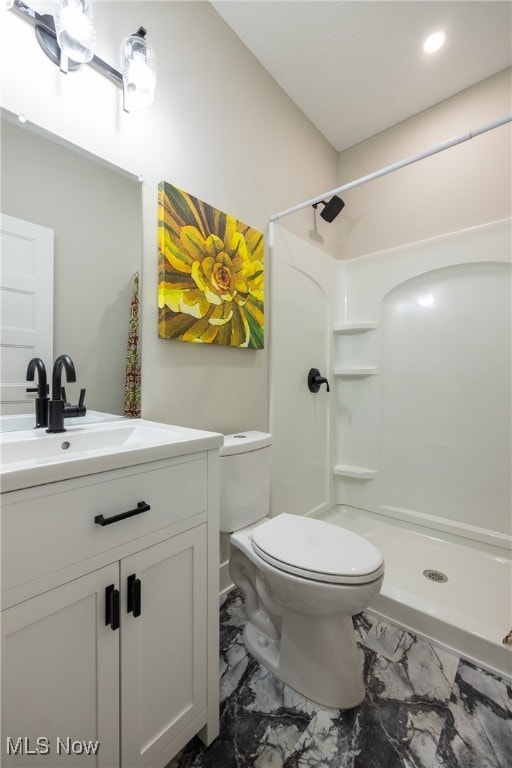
<point x="58" y="409"/>
<point x="41" y="401"/>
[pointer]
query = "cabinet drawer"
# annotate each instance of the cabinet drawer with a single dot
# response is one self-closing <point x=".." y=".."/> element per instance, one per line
<point x="43" y="534"/>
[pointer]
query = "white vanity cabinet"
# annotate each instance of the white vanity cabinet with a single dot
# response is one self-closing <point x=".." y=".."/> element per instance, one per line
<point x="109" y="620"/>
<point x="164" y="650"/>
<point x="60" y="675"/>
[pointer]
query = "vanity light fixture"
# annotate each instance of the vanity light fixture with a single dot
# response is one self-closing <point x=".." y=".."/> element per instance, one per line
<point x="68" y="40"/>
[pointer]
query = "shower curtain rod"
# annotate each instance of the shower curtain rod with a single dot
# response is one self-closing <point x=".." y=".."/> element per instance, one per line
<point x="395" y="166"/>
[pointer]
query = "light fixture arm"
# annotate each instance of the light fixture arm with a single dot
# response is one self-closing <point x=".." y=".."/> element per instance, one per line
<point x="46" y="26"/>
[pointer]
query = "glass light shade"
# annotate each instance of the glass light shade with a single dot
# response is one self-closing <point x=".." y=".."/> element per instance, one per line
<point x="75" y="29"/>
<point x="138" y="68"/>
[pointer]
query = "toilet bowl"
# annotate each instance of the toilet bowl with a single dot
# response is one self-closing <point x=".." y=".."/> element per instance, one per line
<point x="303" y="579"/>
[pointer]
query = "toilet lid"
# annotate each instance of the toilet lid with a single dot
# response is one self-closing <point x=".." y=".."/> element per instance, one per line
<point x="317" y="550"/>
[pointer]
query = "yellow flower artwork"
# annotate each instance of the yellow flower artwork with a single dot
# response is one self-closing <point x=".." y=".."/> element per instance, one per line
<point x="210" y="281"/>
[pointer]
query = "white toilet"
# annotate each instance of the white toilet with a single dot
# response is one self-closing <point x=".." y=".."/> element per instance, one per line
<point x="303" y="580"/>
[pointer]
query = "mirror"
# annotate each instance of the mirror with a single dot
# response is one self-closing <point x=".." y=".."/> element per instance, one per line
<point x="95" y="211"/>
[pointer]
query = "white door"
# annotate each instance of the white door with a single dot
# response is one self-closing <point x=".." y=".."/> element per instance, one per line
<point x="60" y="677"/>
<point x="163" y="650"/>
<point x="26" y="300"/>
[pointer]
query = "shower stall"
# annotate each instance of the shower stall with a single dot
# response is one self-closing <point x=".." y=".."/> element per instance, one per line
<point x="411" y="447"/>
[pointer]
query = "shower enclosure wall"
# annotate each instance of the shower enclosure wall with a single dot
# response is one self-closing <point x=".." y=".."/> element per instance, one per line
<point x="412" y="446"/>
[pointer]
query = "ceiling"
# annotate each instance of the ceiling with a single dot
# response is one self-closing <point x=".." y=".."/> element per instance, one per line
<point x="356" y="68"/>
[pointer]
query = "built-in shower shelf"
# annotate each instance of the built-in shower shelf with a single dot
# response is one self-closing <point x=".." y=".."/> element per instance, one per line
<point x="355" y="327"/>
<point x="359" y="473"/>
<point x="355" y="372"/>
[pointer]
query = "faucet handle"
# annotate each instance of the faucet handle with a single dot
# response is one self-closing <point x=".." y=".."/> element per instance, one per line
<point x="315" y="380"/>
<point x="75" y="410"/>
<point x="36" y="389"/>
<point x="64" y="397"/>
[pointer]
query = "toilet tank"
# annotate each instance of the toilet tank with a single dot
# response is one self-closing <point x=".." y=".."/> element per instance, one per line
<point x="244" y="479"/>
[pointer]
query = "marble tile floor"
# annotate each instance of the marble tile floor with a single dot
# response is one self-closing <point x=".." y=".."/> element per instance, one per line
<point x="424" y="708"/>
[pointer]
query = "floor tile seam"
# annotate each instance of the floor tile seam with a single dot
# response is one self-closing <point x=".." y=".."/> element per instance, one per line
<point x="417" y="702"/>
<point x="276" y="715"/>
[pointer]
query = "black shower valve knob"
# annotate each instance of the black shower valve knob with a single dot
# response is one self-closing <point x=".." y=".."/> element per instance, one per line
<point x="315" y="381"/>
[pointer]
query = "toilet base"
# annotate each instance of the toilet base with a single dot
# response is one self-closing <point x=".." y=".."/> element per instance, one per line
<point x="317" y="659"/>
<point x="301" y="630"/>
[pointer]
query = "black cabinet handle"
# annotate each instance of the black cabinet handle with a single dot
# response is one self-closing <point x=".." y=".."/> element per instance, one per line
<point x="140" y="508"/>
<point x="112" y="607"/>
<point x="133" y="601"/>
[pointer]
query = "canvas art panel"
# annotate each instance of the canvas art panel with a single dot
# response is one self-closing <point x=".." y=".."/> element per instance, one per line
<point x="211" y="278"/>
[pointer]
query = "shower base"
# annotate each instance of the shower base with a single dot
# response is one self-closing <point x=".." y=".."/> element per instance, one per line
<point x="464" y="599"/>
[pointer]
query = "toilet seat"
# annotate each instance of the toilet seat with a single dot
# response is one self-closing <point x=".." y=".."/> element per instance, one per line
<point x="317" y="550"/>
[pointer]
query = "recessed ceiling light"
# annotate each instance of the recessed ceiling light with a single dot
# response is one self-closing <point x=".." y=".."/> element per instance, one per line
<point x="434" y="42"/>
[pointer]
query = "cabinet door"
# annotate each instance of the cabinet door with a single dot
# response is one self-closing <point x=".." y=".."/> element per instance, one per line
<point x="163" y="650"/>
<point x="60" y="677"/>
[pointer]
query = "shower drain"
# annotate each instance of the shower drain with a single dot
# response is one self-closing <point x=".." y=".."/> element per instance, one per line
<point x="435" y="576"/>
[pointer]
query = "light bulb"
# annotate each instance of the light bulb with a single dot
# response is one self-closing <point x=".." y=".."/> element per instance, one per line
<point x="75" y="29"/>
<point x="138" y="67"/>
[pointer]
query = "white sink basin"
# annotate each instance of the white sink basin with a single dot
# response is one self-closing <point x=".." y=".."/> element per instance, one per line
<point x="34" y="457"/>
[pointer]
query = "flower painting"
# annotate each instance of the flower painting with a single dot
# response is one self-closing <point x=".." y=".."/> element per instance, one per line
<point x="210" y="284"/>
